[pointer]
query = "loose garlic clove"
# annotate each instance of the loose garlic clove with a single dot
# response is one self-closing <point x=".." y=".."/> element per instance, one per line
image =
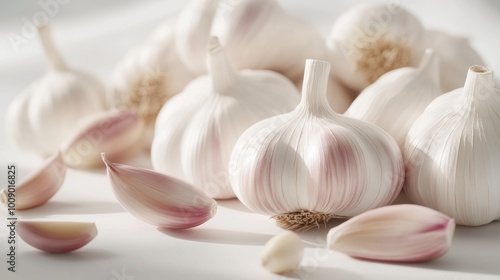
<point x="159" y="199"/>
<point x="56" y="237"/>
<point x="283" y="253"/>
<point x="39" y="187"/>
<point x="396" y="233"/>
<point x="119" y="134"/>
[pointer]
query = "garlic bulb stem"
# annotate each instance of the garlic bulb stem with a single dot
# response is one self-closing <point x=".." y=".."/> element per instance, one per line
<point x="223" y="75"/>
<point x="56" y="62"/>
<point x="479" y="84"/>
<point x="314" y="98"/>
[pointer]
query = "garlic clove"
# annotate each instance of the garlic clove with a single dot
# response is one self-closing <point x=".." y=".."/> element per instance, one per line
<point x="396" y="233"/>
<point x="159" y="199"/>
<point x="39" y="187"/>
<point x="56" y="237"/>
<point x="283" y="253"/>
<point x="119" y="134"/>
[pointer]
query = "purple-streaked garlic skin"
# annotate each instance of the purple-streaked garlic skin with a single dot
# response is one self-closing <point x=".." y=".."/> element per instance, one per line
<point x="396" y="233"/>
<point x="40" y="186"/>
<point x="56" y="237"/>
<point x="159" y="199"/>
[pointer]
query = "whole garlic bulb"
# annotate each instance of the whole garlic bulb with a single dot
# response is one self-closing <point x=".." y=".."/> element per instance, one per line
<point x="257" y="34"/>
<point x="148" y="76"/>
<point x="196" y="130"/>
<point x="456" y="55"/>
<point x="45" y="113"/>
<point x="313" y="164"/>
<point x="398" y="97"/>
<point x="371" y="39"/>
<point x="452" y="152"/>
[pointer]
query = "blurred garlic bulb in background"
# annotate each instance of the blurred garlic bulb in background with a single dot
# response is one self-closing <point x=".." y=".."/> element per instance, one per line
<point x="196" y="130"/>
<point x="312" y="164"/>
<point x="456" y="55"/>
<point x="452" y="152"/>
<point x="399" y="97"/>
<point x="45" y="114"/>
<point x="148" y="76"/>
<point x="256" y="34"/>
<point x="371" y="39"/>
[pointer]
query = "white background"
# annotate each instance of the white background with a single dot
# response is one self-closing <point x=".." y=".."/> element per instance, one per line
<point x="94" y="36"/>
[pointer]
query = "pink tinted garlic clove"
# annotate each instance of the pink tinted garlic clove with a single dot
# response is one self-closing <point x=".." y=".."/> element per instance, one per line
<point x="396" y="233"/>
<point x="159" y="199"/>
<point x="56" y="237"/>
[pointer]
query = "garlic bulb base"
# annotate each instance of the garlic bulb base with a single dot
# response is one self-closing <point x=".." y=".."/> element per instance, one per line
<point x="303" y="220"/>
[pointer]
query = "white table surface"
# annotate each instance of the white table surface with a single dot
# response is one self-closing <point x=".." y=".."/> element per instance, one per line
<point x="94" y="36"/>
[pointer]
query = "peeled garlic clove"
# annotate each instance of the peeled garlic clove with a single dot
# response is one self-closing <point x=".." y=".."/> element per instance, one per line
<point x="371" y="39"/>
<point x="396" y="233"/>
<point x="283" y="253"/>
<point x="452" y="152"/>
<point x="399" y="97"/>
<point x="312" y="164"/>
<point x="56" y="237"/>
<point x="49" y="109"/>
<point x="196" y="130"/>
<point x="119" y="134"/>
<point x="158" y="199"/>
<point x="455" y="54"/>
<point x="39" y="187"/>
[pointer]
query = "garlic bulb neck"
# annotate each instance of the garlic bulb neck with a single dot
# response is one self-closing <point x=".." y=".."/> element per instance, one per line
<point x="56" y="62"/>
<point x="223" y="75"/>
<point x="314" y="95"/>
<point x="479" y="85"/>
<point x="429" y="65"/>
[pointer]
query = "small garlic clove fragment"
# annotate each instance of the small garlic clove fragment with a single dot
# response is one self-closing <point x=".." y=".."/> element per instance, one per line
<point x="119" y="135"/>
<point x="396" y="233"/>
<point x="283" y="253"/>
<point x="159" y="199"/>
<point x="39" y="187"/>
<point x="56" y="237"/>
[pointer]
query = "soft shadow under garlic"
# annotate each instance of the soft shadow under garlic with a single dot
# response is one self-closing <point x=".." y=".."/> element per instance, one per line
<point x="71" y="208"/>
<point x="219" y="236"/>
<point x="323" y="272"/>
<point x="234" y="204"/>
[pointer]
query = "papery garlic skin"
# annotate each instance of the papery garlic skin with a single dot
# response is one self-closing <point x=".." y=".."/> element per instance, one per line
<point x="283" y="253"/>
<point x="395" y="233"/>
<point x="398" y="97"/>
<point x="158" y="199"/>
<point x="312" y="164"/>
<point x="371" y="39"/>
<point x="39" y="187"/>
<point x="51" y="106"/>
<point x="56" y="237"/>
<point x="452" y="152"/>
<point x="456" y="55"/>
<point x="196" y="130"/>
<point x="118" y="134"/>
<point x="148" y="76"/>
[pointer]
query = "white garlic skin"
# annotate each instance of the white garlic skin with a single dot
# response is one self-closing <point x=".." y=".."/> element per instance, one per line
<point x="196" y="130"/>
<point x="283" y="253"/>
<point x="371" y="39"/>
<point x="46" y="113"/>
<point x="452" y="152"/>
<point x="398" y="97"/>
<point x="315" y="160"/>
<point x="456" y="55"/>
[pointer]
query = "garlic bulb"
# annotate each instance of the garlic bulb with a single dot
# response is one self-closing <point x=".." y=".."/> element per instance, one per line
<point x="158" y="199"/>
<point x="56" y="237"/>
<point x="257" y="34"/>
<point x="283" y="253"/>
<point x="148" y="76"/>
<point x="196" y="130"/>
<point x="398" y="97"/>
<point x="456" y="55"/>
<point x="37" y="188"/>
<point x="50" y="107"/>
<point x="395" y="233"/>
<point x="313" y="164"/>
<point x="452" y="152"/>
<point x="371" y="39"/>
